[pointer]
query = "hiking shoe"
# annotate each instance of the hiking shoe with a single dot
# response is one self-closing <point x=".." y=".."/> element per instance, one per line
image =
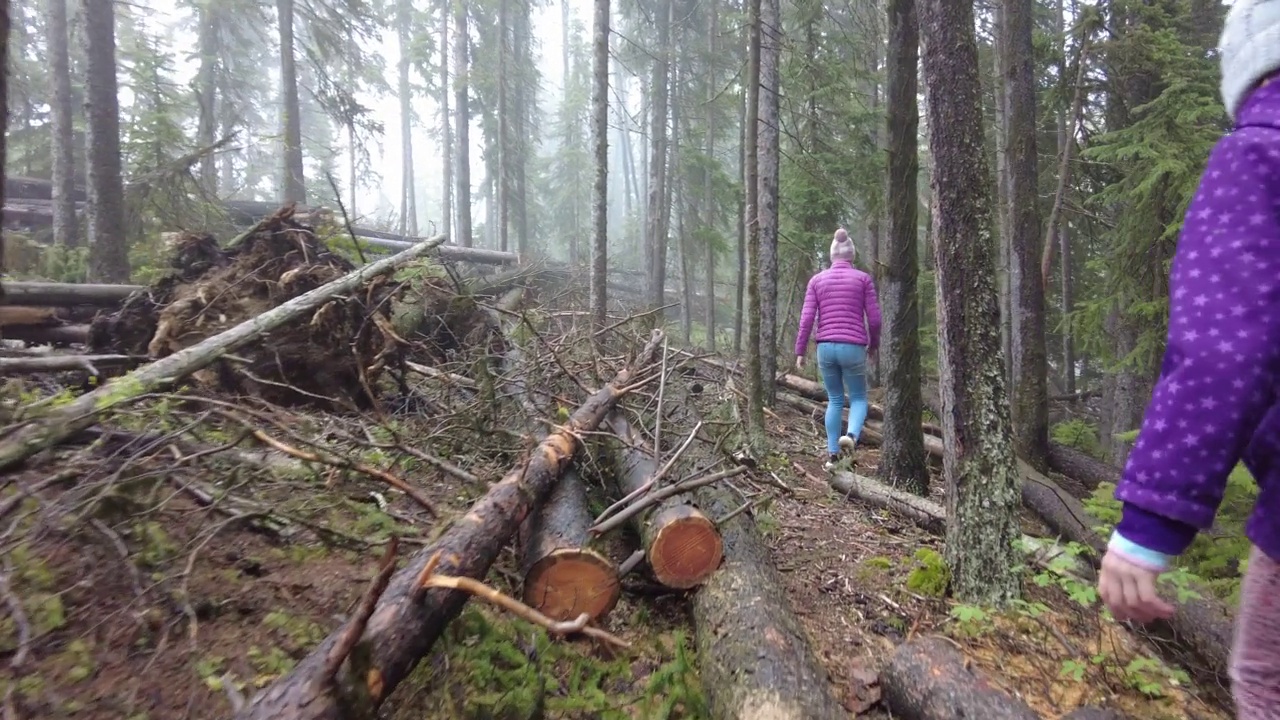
<point x="847" y="443"/>
<point x="830" y="464"/>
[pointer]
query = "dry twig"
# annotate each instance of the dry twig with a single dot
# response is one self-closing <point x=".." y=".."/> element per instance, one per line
<point x="658" y="496"/>
<point x="355" y="626"/>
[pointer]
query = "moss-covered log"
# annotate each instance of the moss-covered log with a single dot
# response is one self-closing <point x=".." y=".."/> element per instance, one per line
<point x="755" y="659"/>
<point x="407" y="621"/>
<point x="928" y="679"/>
<point x="1087" y="471"/>
<point x="563" y="577"/>
<point x="683" y="546"/>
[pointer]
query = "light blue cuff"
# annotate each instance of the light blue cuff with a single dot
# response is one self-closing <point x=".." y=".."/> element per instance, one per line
<point x="1135" y="552"/>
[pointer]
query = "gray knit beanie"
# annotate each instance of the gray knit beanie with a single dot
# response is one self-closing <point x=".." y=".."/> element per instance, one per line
<point x="842" y="247"/>
<point x="1249" y="49"/>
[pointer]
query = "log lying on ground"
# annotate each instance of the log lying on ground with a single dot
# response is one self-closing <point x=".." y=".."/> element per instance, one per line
<point x="563" y="576"/>
<point x="62" y="363"/>
<point x="1201" y="626"/>
<point x="1094" y="713"/>
<point x="63" y="422"/>
<point x="755" y="659"/>
<point x="932" y="517"/>
<point x="871" y="430"/>
<point x="812" y="390"/>
<point x="56" y="335"/>
<point x="683" y="546"/>
<point x="65" y="294"/>
<point x="407" y="622"/>
<point x="928" y="679"/>
<point x="1086" y="470"/>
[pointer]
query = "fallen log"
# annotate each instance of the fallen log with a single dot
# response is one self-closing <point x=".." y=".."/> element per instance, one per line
<point x="755" y="660"/>
<point x="63" y="422"/>
<point x="407" y="621"/>
<point x="563" y="576"/>
<point x="55" y="335"/>
<point x="1201" y="626"/>
<point x="928" y="679"/>
<point x="1094" y="713"/>
<point x="63" y="363"/>
<point x="64" y="294"/>
<point x="682" y="544"/>
<point x="1085" y="469"/>
<point x="812" y="390"/>
<point x="932" y="517"/>
<point x="872" y="431"/>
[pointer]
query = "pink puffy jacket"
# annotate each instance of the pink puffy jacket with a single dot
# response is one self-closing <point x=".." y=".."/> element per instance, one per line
<point x="841" y="297"/>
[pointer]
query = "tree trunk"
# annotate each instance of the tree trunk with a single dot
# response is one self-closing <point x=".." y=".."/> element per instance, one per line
<point x="755" y="658"/>
<point x="66" y="230"/>
<point x="769" y="149"/>
<point x="563" y="578"/>
<point x="404" y="91"/>
<point x="520" y="130"/>
<point x="206" y="92"/>
<point x="1030" y="398"/>
<point x="683" y="546"/>
<point x="446" y="145"/>
<point x="407" y="620"/>
<point x="902" y="460"/>
<point x="294" y="187"/>
<point x="740" y="287"/>
<point x="1000" y="92"/>
<point x="108" y="241"/>
<point x="927" y="679"/>
<point x="708" y="189"/>
<point x="4" y="110"/>
<point x="982" y="479"/>
<point x="504" y="125"/>
<point x="659" y="93"/>
<point x="462" y="153"/>
<point x="751" y="176"/>
<point x="600" y="187"/>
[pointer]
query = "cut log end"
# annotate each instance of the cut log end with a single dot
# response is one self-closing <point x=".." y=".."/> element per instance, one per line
<point x="567" y="582"/>
<point x="685" y="548"/>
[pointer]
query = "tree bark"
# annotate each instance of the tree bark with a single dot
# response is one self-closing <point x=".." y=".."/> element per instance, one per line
<point x="65" y="294"/>
<point x="108" y="242"/>
<point x="927" y="679"/>
<point x="461" y="101"/>
<point x="563" y="577"/>
<point x="902" y="460"/>
<point x="656" y="245"/>
<point x="65" y="421"/>
<point x="407" y="622"/>
<point x="769" y="149"/>
<point x="682" y="545"/>
<point x="66" y="230"/>
<point x="1030" y="400"/>
<point x="751" y="176"/>
<point x="740" y="287"/>
<point x="756" y="661"/>
<point x="404" y="93"/>
<point x="979" y="464"/>
<point x="294" y="186"/>
<point x="708" y="188"/>
<point x="600" y="187"/>
<point x="4" y="108"/>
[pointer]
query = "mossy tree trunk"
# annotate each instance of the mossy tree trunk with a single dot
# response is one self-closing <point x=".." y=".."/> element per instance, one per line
<point x="982" y="478"/>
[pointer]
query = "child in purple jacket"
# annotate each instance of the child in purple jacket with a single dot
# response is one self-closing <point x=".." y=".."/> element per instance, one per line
<point x="841" y="297"/>
<point x="1216" y="402"/>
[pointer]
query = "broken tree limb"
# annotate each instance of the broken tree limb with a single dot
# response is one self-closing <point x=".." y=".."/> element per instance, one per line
<point x="66" y="294"/>
<point x="56" y="335"/>
<point x="928" y="679"/>
<point x="406" y="624"/>
<point x="563" y="576"/>
<point x="756" y="661"/>
<point x="682" y="544"/>
<point x="63" y="422"/>
<point x="474" y="587"/>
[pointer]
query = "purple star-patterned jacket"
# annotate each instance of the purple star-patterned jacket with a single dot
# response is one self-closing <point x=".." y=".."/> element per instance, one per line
<point x="1216" y="401"/>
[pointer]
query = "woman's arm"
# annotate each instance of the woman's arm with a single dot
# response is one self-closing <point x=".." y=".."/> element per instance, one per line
<point x="872" y="308"/>
<point x="1219" y="372"/>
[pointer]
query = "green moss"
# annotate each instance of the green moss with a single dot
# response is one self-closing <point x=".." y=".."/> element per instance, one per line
<point x="931" y="576"/>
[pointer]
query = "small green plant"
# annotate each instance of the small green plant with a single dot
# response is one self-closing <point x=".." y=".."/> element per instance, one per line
<point x="931" y="576"/>
<point x="675" y="686"/>
<point x="1078" y="434"/>
<point x="971" y="620"/>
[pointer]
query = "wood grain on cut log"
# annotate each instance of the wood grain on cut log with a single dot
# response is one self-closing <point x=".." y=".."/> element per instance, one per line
<point x="928" y="679"/>
<point x="407" y="622"/>
<point x="66" y="420"/>
<point x="64" y="294"/>
<point x="755" y="660"/>
<point x="563" y="577"/>
<point x="682" y="544"/>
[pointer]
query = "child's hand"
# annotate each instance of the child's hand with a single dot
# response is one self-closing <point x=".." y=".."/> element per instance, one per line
<point x="1129" y="590"/>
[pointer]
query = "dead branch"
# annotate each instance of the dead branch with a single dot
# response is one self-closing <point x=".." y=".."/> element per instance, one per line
<point x="360" y="618"/>
<point x="658" y="496"/>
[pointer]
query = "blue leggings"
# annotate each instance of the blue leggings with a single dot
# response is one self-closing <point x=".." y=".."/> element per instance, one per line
<point x="844" y="368"/>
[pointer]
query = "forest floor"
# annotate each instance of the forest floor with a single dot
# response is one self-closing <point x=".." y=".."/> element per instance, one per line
<point x="198" y="579"/>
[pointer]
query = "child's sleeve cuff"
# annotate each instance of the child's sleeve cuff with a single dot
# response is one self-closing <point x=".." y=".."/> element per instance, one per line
<point x="1138" y="555"/>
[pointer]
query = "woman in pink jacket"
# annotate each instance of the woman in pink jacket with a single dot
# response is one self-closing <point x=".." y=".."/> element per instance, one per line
<point x="844" y="300"/>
